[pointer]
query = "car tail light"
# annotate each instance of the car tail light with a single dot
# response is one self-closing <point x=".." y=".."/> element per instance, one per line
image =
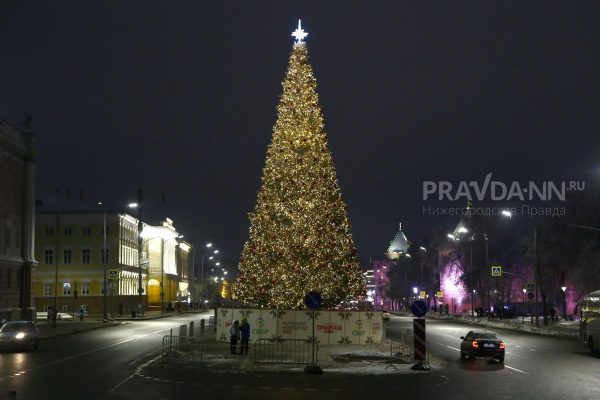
<point x="501" y="345"/>
<point x="475" y="344"/>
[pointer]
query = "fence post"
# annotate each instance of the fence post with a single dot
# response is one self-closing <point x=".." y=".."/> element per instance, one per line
<point x="202" y="326"/>
<point x="171" y="340"/>
<point x="192" y="329"/>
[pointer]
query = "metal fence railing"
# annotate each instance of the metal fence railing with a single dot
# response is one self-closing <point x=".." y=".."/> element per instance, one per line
<point x="193" y="349"/>
<point x="284" y="351"/>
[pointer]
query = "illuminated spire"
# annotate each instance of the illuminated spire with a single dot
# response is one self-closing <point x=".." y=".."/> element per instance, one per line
<point x="299" y="33"/>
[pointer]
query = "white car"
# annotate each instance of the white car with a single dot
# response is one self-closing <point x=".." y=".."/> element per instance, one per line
<point x="61" y="316"/>
<point x="385" y="315"/>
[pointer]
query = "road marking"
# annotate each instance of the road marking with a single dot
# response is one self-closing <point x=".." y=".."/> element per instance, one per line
<point x="518" y="370"/>
<point x="263" y="387"/>
<point x="453" y="348"/>
<point x="136" y="372"/>
<point x="288" y="388"/>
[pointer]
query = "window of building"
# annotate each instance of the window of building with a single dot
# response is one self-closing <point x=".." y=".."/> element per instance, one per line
<point x="68" y="231"/>
<point x="18" y="239"/>
<point x="49" y="231"/>
<point x="65" y="307"/>
<point x="9" y="278"/>
<point x="48" y="289"/>
<point x="104" y="256"/>
<point x="85" y="289"/>
<point x="85" y="256"/>
<point x="67" y="256"/>
<point x="87" y="231"/>
<point x="48" y="256"/>
<point x="104" y="229"/>
<point x="66" y="289"/>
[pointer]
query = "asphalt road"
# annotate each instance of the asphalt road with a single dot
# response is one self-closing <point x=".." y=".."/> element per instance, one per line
<point x="535" y="367"/>
<point x="87" y="364"/>
<point x="100" y="364"/>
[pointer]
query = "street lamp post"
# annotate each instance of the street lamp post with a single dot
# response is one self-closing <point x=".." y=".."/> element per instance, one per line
<point x="564" y="298"/>
<point x="208" y="245"/>
<point x="523" y="317"/>
<point x="138" y="205"/>
<point x="104" y="259"/>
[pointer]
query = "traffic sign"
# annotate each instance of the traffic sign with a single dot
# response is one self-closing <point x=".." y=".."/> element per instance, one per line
<point x="530" y="287"/>
<point x="313" y="300"/>
<point x="439" y="294"/>
<point x="113" y="274"/>
<point x="496" y="270"/>
<point x="419" y="308"/>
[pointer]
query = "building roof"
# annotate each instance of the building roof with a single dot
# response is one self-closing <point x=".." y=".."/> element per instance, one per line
<point x="400" y="243"/>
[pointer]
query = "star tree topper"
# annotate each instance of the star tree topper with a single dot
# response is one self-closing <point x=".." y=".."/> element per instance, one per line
<point x="299" y="33"/>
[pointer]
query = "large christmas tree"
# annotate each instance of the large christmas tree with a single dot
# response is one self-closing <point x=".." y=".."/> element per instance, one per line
<point x="300" y="238"/>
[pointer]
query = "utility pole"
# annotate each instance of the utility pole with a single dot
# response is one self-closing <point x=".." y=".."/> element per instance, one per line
<point x="140" y="240"/>
<point x="104" y="260"/>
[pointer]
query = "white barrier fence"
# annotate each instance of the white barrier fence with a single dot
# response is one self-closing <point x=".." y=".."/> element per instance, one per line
<point x="331" y="327"/>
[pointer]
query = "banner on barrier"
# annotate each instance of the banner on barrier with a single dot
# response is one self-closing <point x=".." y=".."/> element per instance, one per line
<point x="331" y="327"/>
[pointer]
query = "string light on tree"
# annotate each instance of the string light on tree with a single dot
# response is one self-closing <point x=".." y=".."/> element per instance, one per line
<point x="299" y="238"/>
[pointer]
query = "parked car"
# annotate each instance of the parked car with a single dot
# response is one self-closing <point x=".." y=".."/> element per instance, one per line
<point x="19" y="335"/>
<point x="482" y="344"/>
<point x="64" y="316"/>
<point x="385" y="315"/>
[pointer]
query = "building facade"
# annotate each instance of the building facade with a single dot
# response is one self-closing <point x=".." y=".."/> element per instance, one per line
<point x="17" y="221"/>
<point x="90" y="260"/>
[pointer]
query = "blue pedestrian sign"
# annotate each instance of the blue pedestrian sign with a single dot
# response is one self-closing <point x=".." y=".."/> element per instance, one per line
<point x="419" y="308"/>
<point x="313" y="300"/>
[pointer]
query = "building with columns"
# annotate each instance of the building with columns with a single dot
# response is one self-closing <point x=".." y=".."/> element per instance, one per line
<point x="80" y="247"/>
<point x="17" y="221"/>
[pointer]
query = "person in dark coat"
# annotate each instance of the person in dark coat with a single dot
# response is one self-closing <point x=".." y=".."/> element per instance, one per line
<point x="234" y="335"/>
<point x="245" y="333"/>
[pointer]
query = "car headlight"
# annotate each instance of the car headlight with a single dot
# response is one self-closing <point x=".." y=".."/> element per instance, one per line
<point x="20" y="335"/>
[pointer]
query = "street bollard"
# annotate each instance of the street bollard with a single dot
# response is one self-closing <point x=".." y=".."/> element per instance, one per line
<point x="192" y="329"/>
<point x="183" y="330"/>
<point x="202" y="326"/>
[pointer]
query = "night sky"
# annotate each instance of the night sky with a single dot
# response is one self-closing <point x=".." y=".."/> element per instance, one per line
<point x="180" y="97"/>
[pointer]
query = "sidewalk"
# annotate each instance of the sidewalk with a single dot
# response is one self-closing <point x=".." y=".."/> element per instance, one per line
<point x="70" y="327"/>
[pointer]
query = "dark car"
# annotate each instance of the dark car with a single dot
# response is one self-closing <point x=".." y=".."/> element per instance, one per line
<point x="482" y="344"/>
<point x="19" y="335"/>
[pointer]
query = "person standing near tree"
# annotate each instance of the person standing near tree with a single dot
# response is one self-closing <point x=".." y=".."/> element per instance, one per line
<point x="234" y="335"/>
<point x="245" y="333"/>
